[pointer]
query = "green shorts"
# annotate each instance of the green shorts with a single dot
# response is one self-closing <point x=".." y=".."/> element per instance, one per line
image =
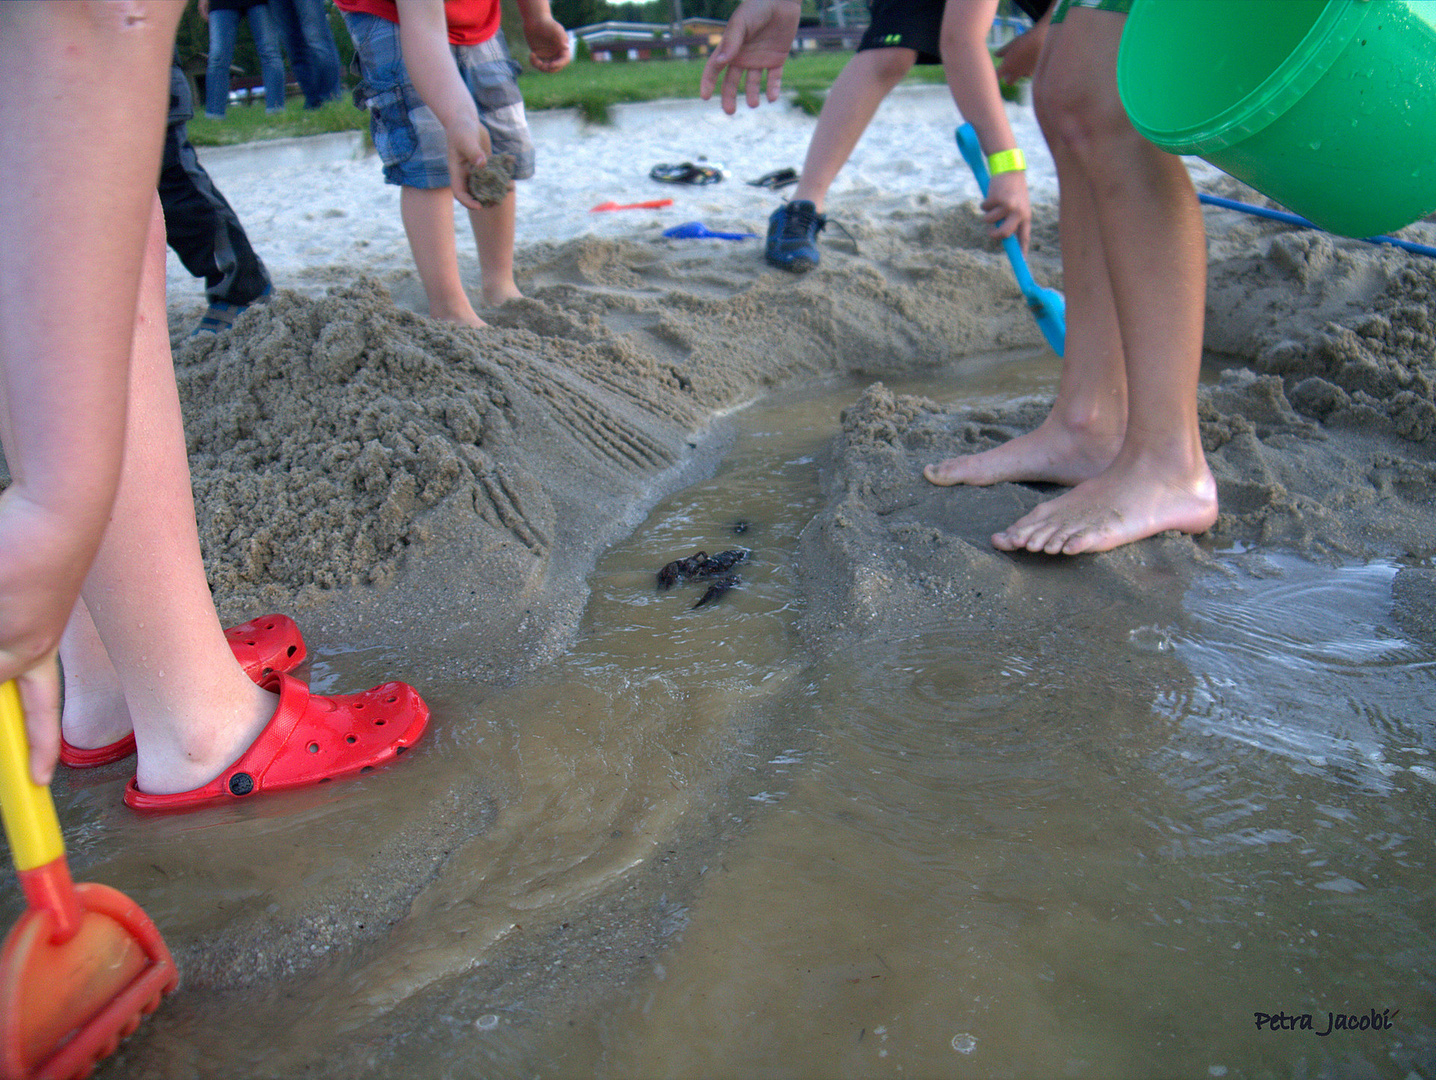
<point x="1119" y="7"/>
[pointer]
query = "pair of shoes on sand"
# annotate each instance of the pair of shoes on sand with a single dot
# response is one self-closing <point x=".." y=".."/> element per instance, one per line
<point x="221" y="315"/>
<point x="793" y="229"/>
<point x="310" y="740"/>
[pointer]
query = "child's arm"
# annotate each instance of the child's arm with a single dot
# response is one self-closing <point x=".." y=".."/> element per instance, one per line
<point x="424" y="43"/>
<point x="96" y="77"/>
<point x="546" y="37"/>
<point x="757" y="39"/>
<point x="1019" y="56"/>
<point x="973" y="82"/>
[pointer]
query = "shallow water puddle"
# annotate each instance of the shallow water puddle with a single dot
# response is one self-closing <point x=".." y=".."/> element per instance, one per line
<point x="989" y="862"/>
<point x="990" y="872"/>
<point x="934" y="856"/>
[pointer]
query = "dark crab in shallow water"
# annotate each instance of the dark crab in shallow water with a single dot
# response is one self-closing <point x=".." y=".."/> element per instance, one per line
<point x="700" y="565"/>
<point x="717" y="589"/>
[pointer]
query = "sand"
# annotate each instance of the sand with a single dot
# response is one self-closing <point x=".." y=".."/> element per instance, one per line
<point x="351" y="456"/>
<point x="443" y="493"/>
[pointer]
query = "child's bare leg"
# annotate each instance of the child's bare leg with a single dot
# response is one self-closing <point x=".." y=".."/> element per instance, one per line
<point x="1150" y="226"/>
<point x="428" y="215"/>
<point x="1082" y="433"/>
<point x="193" y="707"/>
<point x="494" y="238"/>
<point x="848" y="109"/>
<point x="95" y="712"/>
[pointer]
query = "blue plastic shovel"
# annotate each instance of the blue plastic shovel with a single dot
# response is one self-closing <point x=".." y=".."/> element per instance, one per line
<point x="1048" y="306"/>
<point x="696" y="230"/>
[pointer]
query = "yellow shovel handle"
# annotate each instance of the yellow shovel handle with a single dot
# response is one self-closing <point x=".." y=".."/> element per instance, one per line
<point x="29" y="812"/>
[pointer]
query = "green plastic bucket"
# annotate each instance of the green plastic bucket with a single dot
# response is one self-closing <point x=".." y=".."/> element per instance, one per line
<point x="1327" y="107"/>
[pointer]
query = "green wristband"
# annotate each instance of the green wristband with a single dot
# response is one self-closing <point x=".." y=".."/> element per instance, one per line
<point x="1006" y="161"/>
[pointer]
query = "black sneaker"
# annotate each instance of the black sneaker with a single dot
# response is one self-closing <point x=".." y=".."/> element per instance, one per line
<point x="793" y="236"/>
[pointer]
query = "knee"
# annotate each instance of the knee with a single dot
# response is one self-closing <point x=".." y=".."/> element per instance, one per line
<point x="890" y="66"/>
<point x="1072" y="116"/>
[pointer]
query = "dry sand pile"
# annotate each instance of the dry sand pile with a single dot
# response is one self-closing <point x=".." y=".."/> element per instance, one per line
<point x="353" y="458"/>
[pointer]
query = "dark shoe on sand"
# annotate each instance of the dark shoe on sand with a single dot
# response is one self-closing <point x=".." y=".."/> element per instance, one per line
<point x="793" y="236"/>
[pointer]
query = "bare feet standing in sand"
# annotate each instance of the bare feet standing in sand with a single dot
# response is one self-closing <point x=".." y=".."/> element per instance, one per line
<point x="1123" y="431"/>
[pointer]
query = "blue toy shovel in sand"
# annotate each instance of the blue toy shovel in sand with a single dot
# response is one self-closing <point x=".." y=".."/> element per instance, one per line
<point x="1048" y="306"/>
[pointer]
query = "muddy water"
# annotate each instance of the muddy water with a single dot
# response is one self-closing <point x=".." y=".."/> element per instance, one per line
<point x="978" y="864"/>
<point x="690" y="848"/>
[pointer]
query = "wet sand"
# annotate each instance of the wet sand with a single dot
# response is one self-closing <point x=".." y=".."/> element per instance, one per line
<point x="429" y="503"/>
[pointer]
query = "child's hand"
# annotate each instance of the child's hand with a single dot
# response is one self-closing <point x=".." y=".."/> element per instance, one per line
<point x="40" y="576"/>
<point x="548" y="44"/>
<point x="1007" y="207"/>
<point x="468" y="149"/>
<point x="754" y="48"/>
<point x="1019" y="56"/>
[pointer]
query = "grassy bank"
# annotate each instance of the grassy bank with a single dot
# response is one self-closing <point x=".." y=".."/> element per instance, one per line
<point x="584" y="85"/>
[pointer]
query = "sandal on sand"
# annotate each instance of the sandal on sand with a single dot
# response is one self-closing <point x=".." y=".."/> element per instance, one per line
<point x="219" y="318"/>
<point x="686" y="173"/>
<point x="778" y="178"/>
<point x="311" y="740"/>
<point x="262" y="646"/>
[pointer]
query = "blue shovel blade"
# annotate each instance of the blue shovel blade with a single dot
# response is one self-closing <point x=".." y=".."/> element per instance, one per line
<point x="1047" y="305"/>
<point x="696" y="230"/>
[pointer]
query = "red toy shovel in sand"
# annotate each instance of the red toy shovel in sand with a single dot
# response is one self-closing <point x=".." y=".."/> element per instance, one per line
<point x="1047" y="305"/>
<point x="651" y="204"/>
<point x="84" y="963"/>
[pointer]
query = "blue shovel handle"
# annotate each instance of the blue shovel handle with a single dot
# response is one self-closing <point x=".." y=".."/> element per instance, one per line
<point x="1048" y="306"/>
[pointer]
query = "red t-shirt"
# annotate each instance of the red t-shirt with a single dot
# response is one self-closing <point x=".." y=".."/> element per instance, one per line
<point x="471" y="22"/>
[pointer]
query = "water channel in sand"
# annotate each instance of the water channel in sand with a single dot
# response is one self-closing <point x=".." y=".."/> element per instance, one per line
<point x="716" y="855"/>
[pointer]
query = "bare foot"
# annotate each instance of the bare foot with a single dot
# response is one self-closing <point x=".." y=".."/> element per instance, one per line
<point x="1129" y="501"/>
<point x="1053" y="453"/>
<point x="460" y="314"/>
<point x="459" y="320"/>
<point x="500" y="296"/>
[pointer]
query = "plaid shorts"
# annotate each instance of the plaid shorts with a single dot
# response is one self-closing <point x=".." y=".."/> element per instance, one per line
<point x="1118" y="7"/>
<point x="408" y="136"/>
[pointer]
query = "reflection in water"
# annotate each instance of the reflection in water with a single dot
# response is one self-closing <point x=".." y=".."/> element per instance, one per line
<point x="1301" y="661"/>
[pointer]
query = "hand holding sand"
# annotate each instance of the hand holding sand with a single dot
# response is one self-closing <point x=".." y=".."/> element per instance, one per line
<point x="490" y="183"/>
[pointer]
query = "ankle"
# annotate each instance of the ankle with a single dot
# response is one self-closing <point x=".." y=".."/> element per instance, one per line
<point x="501" y="293"/>
<point x="94" y="717"/>
<point x="183" y="752"/>
<point x="1096" y="424"/>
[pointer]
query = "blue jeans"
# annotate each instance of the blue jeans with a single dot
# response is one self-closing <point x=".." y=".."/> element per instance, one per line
<point x="223" y="30"/>
<point x="304" y="30"/>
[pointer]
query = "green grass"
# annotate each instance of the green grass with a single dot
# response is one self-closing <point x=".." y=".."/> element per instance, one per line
<point x="584" y="85"/>
<point x="250" y="123"/>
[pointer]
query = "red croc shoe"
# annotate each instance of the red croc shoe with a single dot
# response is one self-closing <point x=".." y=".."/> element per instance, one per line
<point x="267" y="644"/>
<point x="311" y="740"/>
<point x="264" y="645"/>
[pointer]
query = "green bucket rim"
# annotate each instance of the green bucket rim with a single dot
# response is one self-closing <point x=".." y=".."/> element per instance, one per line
<point x="1312" y="58"/>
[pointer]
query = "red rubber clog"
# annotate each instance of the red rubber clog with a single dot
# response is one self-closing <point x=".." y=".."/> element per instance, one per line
<point x="311" y="740"/>
<point x="264" y="645"/>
